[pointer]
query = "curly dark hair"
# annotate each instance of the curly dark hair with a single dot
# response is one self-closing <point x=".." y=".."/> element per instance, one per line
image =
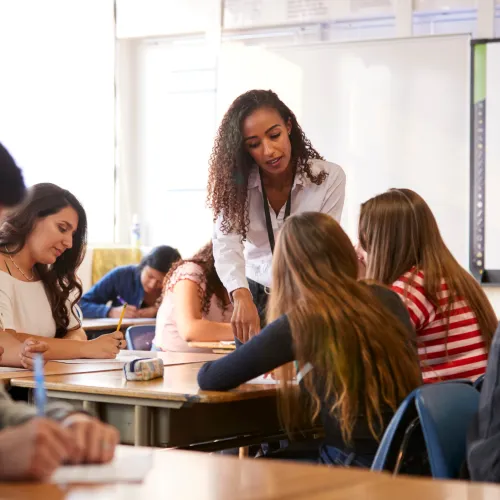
<point x="213" y="285"/>
<point x="231" y="164"/>
<point x="60" y="279"/>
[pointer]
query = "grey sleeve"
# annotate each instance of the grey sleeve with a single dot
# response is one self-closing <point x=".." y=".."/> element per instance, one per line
<point x="15" y="413"/>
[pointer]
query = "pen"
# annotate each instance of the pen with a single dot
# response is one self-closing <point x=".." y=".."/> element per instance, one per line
<point x="40" y="395"/>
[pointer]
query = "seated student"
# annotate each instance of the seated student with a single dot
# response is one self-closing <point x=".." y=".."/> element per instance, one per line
<point x="139" y="286"/>
<point x="32" y="448"/>
<point x="42" y="243"/>
<point x="356" y="337"/>
<point x="195" y="305"/>
<point x="452" y="316"/>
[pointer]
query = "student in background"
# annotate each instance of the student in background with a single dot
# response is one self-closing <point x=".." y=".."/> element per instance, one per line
<point x="32" y="448"/>
<point x="195" y="305"/>
<point x="139" y="286"/>
<point x="403" y="248"/>
<point x="42" y="243"/>
<point x="356" y="339"/>
<point x="262" y="169"/>
<point x="12" y="188"/>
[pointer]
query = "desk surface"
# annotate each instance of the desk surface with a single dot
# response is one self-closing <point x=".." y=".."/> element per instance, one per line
<point x="179" y="383"/>
<point x="59" y="368"/>
<point x="112" y="323"/>
<point x="227" y="478"/>
<point x="54" y="368"/>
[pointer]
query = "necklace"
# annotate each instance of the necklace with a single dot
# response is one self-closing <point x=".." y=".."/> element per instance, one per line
<point x="18" y="268"/>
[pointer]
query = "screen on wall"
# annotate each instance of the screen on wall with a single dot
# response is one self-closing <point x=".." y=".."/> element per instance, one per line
<point x="485" y="161"/>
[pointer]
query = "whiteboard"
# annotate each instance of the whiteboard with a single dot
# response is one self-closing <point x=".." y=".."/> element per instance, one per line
<point x="392" y="113"/>
<point x="492" y="159"/>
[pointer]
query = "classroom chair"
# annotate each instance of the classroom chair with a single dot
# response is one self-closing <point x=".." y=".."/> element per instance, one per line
<point x="446" y="411"/>
<point x="393" y="447"/>
<point x="140" y="338"/>
<point x="428" y="428"/>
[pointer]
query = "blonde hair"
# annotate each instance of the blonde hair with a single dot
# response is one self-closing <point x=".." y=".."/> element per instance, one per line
<point x="398" y="231"/>
<point x="362" y="354"/>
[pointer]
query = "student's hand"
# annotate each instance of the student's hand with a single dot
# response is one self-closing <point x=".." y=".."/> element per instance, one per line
<point x="95" y="441"/>
<point x="116" y="312"/>
<point x="29" y="349"/>
<point x="104" y="347"/>
<point x="245" y="320"/>
<point x="148" y="312"/>
<point x="34" y="450"/>
<point x="361" y="255"/>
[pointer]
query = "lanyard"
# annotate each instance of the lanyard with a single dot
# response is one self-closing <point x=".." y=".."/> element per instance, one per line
<point x="270" y="232"/>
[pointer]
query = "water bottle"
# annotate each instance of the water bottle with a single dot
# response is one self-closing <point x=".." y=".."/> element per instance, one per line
<point x="135" y="232"/>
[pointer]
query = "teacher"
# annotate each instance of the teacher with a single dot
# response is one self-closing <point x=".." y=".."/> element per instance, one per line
<point x="262" y="169"/>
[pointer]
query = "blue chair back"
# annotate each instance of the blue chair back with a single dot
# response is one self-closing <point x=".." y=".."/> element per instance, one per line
<point x="386" y="456"/>
<point x="140" y="338"/>
<point x="446" y="411"/>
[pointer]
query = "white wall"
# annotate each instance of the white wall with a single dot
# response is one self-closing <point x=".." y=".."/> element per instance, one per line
<point x="57" y="99"/>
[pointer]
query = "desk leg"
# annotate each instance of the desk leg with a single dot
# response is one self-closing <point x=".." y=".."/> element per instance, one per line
<point x="142" y="429"/>
<point x="92" y="407"/>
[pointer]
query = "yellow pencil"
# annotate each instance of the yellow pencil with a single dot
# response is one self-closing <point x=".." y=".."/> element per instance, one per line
<point x="122" y="315"/>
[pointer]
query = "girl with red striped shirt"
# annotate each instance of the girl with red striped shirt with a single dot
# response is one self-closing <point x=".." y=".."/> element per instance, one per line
<point x="453" y="318"/>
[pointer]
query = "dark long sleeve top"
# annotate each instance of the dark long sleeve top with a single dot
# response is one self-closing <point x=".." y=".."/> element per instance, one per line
<point x="124" y="281"/>
<point x="273" y="347"/>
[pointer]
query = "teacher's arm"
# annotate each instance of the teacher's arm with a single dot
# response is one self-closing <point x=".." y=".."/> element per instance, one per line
<point x="230" y="266"/>
<point x="335" y="194"/>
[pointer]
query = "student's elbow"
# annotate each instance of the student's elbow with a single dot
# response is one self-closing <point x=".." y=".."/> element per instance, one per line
<point x="188" y="331"/>
<point x="205" y="382"/>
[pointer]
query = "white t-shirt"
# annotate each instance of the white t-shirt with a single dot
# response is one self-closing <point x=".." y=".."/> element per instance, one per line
<point x="25" y="307"/>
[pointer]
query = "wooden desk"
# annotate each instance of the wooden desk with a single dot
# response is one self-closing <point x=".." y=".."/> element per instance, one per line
<point x="171" y="411"/>
<point x="186" y="475"/>
<point x="110" y="324"/>
<point x="55" y="368"/>
<point x="215" y="346"/>
<point x="190" y="475"/>
<point x="409" y="488"/>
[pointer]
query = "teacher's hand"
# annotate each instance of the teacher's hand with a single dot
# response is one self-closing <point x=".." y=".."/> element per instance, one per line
<point x="245" y="320"/>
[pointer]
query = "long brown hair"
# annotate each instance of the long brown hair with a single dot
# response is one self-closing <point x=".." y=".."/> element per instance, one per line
<point x="398" y="231"/>
<point x="59" y="279"/>
<point x="230" y="163"/>
<point x="359" y="350"/>
<point x="213" y="285"/>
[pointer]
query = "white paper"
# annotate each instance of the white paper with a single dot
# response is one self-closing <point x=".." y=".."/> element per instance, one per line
<point x="125" y="468"/>
<point x="227" y="342"/>
<point x="268" y="380"/>
<point x="4" y="369"/>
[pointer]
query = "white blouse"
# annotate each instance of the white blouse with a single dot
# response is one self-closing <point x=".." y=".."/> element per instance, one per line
<point x="25" y="307"/>
<point x="236" y="260"/>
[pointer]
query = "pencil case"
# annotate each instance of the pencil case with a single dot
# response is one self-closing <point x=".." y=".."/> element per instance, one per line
<point x="143" y="369"/>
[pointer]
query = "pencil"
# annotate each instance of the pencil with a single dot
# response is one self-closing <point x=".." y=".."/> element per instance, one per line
<point x="121" y="318"/>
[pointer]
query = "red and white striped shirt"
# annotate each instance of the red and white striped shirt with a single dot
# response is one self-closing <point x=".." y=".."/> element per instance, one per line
<point x="462" y="353"/>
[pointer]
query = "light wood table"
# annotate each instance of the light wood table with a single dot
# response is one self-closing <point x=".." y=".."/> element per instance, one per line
<point x="171" y="411"/>
<point x="217" y="347"/>
<point x="110" y="324"/>
<point x="190" y="475"/>
<point x="186" y="475"/>
<point x="56" y="368"/>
